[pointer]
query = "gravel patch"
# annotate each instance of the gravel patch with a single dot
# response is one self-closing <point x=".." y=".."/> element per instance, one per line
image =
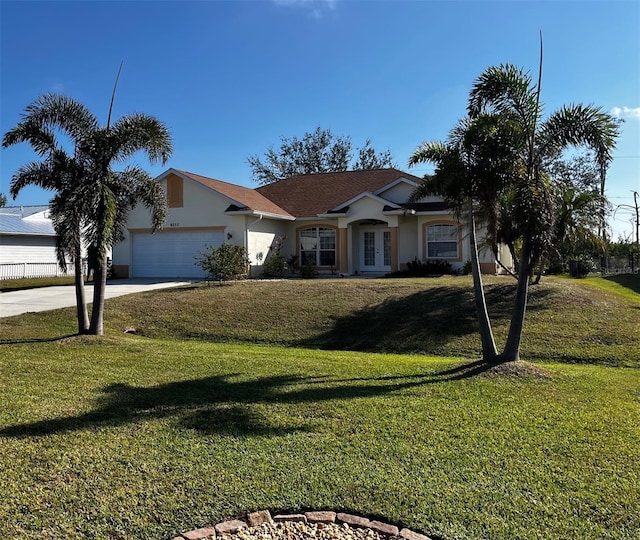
<point x="321" y="525"/>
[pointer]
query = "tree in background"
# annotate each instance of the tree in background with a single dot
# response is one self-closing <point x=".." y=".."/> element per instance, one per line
<point x="575" y="185"/>
<point x="369" y="159"/>
<point x="95" y="195"/>
<point x="3" y="200"/>
<point x="317" y="152"/>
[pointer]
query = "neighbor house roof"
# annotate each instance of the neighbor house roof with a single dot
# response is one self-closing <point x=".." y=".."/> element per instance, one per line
<point x="14" y="223"/>
<point x="24" y="211"/>
<point x="310" y="195"/>
<point x="246" y="198"/>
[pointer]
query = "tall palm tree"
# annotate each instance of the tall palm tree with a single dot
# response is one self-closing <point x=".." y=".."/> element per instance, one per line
<point x="473" y="167"/>
<point x="101" y="196"/>
<point x="60" y="173"/>
<point x="510" y="92"/>
<point x="113" y="193"/>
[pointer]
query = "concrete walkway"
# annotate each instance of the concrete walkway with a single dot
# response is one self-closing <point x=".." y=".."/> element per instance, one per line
<point x="47" y="298"/>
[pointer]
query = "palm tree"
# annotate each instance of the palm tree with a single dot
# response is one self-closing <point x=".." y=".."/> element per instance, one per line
<point x="61" y="173"/>
<point x="473" y="166"/>
<point x="101" y="196"/>
<point x="509" y="91"/>
<point x="119" y="193"/>
<point x="577" y="221"/>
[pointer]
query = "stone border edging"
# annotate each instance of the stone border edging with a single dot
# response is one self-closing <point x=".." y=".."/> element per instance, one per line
<point x="255" y="519"/>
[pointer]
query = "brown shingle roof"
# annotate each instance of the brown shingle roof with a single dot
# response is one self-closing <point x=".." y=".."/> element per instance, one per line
<point x="308" y="195"/>
<point x="248" y="198"/>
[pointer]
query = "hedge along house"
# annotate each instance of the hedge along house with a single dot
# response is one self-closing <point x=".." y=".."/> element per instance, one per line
<point x="350" y="223"/>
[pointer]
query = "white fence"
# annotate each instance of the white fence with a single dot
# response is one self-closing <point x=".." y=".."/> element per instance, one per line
<point x="33" y="270"/>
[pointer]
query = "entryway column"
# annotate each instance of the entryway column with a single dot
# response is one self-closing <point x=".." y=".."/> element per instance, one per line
<point x="343" y="251"/>
<point x="394" y="248"/>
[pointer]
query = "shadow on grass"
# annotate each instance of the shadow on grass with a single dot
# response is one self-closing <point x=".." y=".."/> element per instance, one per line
<point x="425" y="321"/>
<point x="222" y="405"/>
<point x="629" y="281"/>
<point x="36" y="340"/>
<point x="407" y="324"/>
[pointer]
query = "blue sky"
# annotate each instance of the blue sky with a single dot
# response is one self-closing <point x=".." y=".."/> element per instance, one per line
<point x="230" y="78"/>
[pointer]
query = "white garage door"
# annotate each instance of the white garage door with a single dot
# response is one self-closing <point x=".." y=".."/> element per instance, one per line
<point x="171" y="254"/>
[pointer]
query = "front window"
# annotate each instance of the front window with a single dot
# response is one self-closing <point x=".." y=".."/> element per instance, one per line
<point x="318" y="246"/>
<point x="442" y="242"/>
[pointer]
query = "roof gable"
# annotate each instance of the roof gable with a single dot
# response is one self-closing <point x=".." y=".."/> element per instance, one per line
<point x="366" y="195"/>
<point x="402" y="180"/>
<point x="239" y="197"/>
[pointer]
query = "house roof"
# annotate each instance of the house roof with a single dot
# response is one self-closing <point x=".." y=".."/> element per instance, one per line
<point x="24" y="211"/>
<point x="243" y="198"/>
<point x="14" y="223"/>
<point x="310" y="195"/>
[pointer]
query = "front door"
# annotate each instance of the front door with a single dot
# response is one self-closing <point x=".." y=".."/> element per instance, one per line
<point x="375" y="250"/>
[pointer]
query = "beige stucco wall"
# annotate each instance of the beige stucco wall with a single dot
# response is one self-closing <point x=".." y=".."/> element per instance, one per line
<point x="398" y="194"/>
<point x="262" y="236"/>
<point x="408" y="241"/>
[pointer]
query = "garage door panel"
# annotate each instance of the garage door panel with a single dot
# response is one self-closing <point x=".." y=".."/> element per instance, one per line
<point x="171" y="254"/>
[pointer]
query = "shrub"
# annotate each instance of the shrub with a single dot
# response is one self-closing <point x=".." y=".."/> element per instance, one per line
<point x="309" y="271"/>
<point x="436" y="267"/>
<point x="580" y="268"/>
<point x="224" y="263"/>
<point x="274" y="266"/>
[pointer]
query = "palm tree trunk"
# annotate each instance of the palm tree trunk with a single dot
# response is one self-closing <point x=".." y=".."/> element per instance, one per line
<point x="514" y="256"/>
<point x="81" y="300"/>
<point x="489" y="351"/>
<point x="99" y="288"/>
<point x="511" y="351"/>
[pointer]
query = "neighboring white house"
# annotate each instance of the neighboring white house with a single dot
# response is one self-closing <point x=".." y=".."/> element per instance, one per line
<point x="355" y="222"/>
<point x="27" y="243"/>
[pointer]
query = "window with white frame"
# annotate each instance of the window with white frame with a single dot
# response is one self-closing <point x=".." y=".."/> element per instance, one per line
<point x="442" y="241"/>
<point x="318" y="246"/>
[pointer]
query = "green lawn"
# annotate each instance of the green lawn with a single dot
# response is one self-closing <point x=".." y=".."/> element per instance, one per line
<point x="245" y="397"/>
<point x="33" y="283"/>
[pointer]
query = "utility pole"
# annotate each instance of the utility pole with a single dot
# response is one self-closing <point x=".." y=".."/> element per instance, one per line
<point x="635" y="208"/>
<point x="635" y="200"/>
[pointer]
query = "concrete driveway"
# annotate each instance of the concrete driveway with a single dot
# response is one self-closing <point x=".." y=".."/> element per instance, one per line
<point x="47" y="298"/>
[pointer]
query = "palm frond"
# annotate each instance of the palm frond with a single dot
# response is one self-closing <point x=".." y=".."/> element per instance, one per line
<point x="140" y="132"/>
<point x="35" y="173"/>
<point x="62" y="112"/>
<point x="428" y="152"/>
<point x="505" y="89"/>
<point x="40" y="137"/>
<point x="134" y="185"/>
<point x="579" y="125"/>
